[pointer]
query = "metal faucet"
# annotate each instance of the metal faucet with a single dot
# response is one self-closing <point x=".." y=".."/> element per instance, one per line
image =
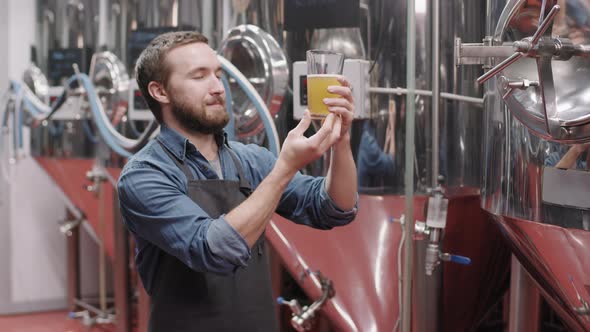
<point x="303" y="317"/>
<point x="584" y="308"/>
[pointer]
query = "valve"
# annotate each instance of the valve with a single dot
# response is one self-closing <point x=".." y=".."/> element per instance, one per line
<point x="97" y="176"/>
<point x="526" y="47"/>
<point x="542" y="47"/>
<point x="434" y="256"/>
<point x="66" y="226"/>
<point x="303" y="317"/>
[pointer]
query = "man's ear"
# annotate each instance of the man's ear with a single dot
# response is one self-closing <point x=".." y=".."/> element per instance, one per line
<point x="158" y="92"/>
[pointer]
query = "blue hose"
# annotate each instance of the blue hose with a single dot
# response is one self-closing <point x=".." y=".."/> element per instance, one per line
<point x="111" y="141"/>
<point x="94" y="107"/>
<point x="230" y="129"/>
<point x="88" y="131"/>
<point x="267" y="122"/>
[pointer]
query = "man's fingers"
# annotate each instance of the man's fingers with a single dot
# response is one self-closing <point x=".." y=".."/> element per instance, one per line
<point x="303" y="124"/>
<point x="343" y="91"/>
<point x="339" y="102"/>
<point x="324" y="131"/>
<point x="336" y="129"/>
<point x="344" y="81"/>
<point x="347" y="115"/>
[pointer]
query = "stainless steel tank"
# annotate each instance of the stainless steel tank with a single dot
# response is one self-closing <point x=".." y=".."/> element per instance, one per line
<point x="65" y="29"/>
<point x="460" y="123"/>
<point x="535" y="179"/>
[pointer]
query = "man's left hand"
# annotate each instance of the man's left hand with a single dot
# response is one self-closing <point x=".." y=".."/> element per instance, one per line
<point x="343" y="107"/>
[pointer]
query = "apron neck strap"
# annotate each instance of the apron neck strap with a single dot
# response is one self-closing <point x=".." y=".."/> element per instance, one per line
<point x="187" y="172"/>
<point x="244" y="184"/>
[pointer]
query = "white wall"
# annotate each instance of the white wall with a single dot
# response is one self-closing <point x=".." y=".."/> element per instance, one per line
<point x="32" y="251"/>
<point x="3" y="50"/>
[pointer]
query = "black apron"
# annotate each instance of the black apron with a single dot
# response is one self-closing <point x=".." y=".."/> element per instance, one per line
<point x="184" y="300"/>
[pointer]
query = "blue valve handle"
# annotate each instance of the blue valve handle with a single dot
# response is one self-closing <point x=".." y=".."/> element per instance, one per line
<point x="280" y="300"/>
<point x="460" y="259"/>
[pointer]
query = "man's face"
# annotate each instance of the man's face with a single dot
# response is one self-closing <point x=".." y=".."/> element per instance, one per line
<point x="195" y="90"/>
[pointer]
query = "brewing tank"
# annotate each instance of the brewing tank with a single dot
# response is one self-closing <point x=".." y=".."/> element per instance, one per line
<point x="460" y="123"/>
<point x="535" y="182"/>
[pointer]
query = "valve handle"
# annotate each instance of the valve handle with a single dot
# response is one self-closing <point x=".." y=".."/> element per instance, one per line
<point x="460" y="259"/>
<point x="545" y="24"/>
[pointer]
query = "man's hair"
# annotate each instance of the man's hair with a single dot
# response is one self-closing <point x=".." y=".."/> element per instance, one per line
<point x="151" y="66"/>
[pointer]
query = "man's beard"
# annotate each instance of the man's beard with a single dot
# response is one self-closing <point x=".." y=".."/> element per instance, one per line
<point x="196" y="120"/>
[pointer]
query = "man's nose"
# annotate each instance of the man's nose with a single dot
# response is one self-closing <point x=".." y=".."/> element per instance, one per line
<point x="217" y="86"/>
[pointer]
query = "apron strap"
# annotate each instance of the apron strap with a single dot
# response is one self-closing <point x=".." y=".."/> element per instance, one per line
<point x="187" y="172"/>
<point x="245" y="186"/>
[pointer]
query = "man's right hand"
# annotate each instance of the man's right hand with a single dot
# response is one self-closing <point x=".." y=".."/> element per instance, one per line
<point x="298" y="150"/>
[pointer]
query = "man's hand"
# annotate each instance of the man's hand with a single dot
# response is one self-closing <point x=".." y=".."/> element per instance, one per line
<point x="298" y="150"/>
<point x="343" y="107"/>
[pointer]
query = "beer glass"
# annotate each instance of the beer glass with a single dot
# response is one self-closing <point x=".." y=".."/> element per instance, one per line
<point x="323" y="69"/>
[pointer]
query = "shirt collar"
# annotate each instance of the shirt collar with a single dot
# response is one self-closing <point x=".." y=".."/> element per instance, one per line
<point x="179" y="145"/>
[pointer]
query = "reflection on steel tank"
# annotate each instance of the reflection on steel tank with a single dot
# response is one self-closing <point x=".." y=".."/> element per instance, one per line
<point x="536" y="183"/>
<point x="460" y="123"/>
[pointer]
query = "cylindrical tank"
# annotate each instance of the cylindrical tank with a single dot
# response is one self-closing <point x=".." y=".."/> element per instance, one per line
<point x="381" y="158"/>
<point x="460" y="123"/>
<point x="67" y="31"/>
<point x="525" y="185"/>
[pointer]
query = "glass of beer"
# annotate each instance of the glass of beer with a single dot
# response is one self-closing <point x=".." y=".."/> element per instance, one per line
<point x="323" y="69"/>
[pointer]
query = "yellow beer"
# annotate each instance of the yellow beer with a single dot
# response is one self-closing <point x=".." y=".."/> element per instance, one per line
<point x="317" y="90"/>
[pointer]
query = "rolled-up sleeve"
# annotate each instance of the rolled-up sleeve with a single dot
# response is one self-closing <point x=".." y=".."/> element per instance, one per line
<point x="336" y="215"/>
<point x="305" y="201"/>
<point x="155" y="209"/>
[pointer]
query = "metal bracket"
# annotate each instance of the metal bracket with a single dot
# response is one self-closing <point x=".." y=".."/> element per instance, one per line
<point x="97" y="176"/>
<point x="479" y="53"/>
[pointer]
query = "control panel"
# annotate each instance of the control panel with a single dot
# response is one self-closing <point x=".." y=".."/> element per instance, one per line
<point x="138" y="108"/>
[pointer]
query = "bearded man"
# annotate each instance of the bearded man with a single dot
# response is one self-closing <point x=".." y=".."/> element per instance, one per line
<point x="198" y="205"/>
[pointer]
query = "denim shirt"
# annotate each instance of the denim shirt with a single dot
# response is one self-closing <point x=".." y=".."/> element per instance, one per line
<point x="162" y="217"/>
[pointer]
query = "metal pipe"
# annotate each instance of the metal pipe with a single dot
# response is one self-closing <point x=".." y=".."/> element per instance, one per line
<point x="123" y="31"/>
<point x="365" y="6"/>
<point x="435" y="92"/>
<point x="103" y="23"/>
<point x="65" y="32"/>
<point x="498" y="68"/>
<point x="406" y="321"/>
<point x="102" y="273"/>
<point x="443" y="95"/>
<point x="207" y="20"/>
